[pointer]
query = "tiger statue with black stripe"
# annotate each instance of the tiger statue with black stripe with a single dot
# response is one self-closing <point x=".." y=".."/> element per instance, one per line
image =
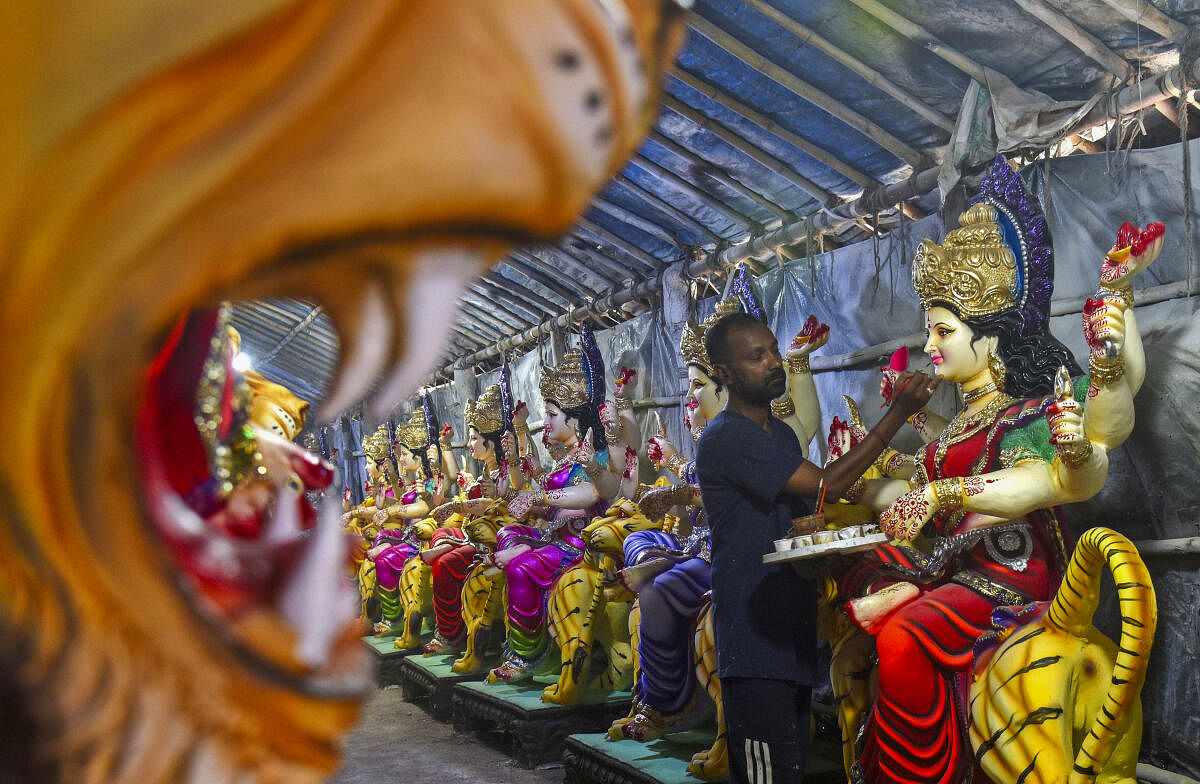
<point x="1052" y="699"/>
<point x="581" y="618"/>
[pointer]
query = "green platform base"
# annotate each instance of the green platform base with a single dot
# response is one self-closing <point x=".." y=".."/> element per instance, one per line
<point x="530" y="731"/>
<point x="429" y="681"/>
<point x="388" y="658"/>
<point x="593" y="759"/>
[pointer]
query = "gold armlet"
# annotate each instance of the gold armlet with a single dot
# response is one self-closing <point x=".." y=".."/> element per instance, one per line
<point x="854" y="492"/>
<point x="782" y="409"/>
<point x="593" y="470"/>
<point x="950" y="494"/>
<point x="1124" y="293"/>
<point x="1104" y="371"/>
<point x="522" y="431"/>
<point x="623" y="402"/>
<point x="799" y="364"/>
<point x="1075" y="453"/>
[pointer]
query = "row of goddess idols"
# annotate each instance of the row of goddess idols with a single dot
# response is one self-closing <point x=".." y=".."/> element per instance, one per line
<point x="963" y="648"/>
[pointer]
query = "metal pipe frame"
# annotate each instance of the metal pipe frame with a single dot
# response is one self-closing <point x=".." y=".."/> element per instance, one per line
<point x="662" y="173"/>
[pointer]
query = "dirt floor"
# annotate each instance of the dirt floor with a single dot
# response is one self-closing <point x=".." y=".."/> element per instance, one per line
<point x="396" y="741"/>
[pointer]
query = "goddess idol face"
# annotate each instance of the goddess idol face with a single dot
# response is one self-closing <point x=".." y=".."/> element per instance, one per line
<point x="558" y="426"/>
<point x="479" y="446"/>
<point x="408" y="460"/>
<point x="703" y="390"/>
<point x="951" y="345"/>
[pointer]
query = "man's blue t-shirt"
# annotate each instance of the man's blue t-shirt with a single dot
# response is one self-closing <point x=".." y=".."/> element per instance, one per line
<point x="765" y="617"/>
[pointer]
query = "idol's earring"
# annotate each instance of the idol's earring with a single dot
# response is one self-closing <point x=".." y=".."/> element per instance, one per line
<point x="996" y="366"/>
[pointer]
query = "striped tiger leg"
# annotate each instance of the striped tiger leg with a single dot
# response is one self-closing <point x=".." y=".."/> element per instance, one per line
<point x="572" y="612"/>
<point x="416" y="596"/>
<point x="483" y="612"/>
<point x="714" y="761"/>
<point x="616" y="730"/>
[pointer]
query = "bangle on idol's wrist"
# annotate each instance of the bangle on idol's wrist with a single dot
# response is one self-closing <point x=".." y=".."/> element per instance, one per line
<point x="854" y="492"/>
<point x="1104" y="370"/>
<point x="612" y="438"/>
<point x="783" y="408"/>
<point x="522" y="431"/>
<point x="1074" y="453"/>
<point x="623" y="402"/>
<point x="950" y="494"/>
<point x="539" y="494"/>
<point x="675" y="464"/>
<point x="799" y="364"/>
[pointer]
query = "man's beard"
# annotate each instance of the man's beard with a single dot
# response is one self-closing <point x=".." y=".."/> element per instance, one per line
<point x="760" y="394"/>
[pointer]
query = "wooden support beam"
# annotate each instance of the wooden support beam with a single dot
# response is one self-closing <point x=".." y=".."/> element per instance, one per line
<point x="869" y="74"/>
<point x="766" y="159"/>
<point x="1081" y="39"/>
<point x="808" y="92"/>
<point x="1144" y="13"/>
<point x="495" y="320"/>
<point x="494" y="278"/>
<point x="547" y="276"/>
<point x="627" y="247"/>
<point x="766" y="123"/>
<point x="719" y="174"/>
<point x="917" y="34"/>
<point x="602" y="266"/>
<point x="662" y="173"/>
<point x="659" y="204"/>
<point x="637" y="221"/>
<point x="485" y="288"/>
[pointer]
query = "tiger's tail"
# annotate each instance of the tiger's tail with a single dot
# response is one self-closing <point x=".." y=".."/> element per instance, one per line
<point x="1072" y="611"/>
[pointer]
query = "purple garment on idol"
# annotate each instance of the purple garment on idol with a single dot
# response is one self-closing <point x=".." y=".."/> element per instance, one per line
<point x="669" y="606"/>
<point x="389" y="563"/>
<point x="531" y="574"/>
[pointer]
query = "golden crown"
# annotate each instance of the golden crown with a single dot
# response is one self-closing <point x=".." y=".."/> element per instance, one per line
<point x="973" y="270"/>
<point x="566" y="383"/>
<point x="413" y="434"/>
<point x="691" y="342"/>
<point x="375" y="446"/>
<point x="486" y="413"/>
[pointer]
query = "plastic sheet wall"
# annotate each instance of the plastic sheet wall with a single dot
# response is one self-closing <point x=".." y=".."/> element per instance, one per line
<point x="864" y="293"/>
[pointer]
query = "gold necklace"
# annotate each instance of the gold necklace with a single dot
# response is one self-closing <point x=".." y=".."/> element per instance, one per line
<point x="973" y="395"/>
<point x="963" y="426"/>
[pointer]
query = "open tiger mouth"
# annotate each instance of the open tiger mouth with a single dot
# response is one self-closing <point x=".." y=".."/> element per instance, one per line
<point x="228" y="499"/>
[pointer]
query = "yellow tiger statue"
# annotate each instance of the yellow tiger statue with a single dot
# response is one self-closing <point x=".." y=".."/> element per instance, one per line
<point x="416" y="587"/>
<point x="483" y="590"/>
<point x="1056" y="700"/>
<point x="580" y="617"/>
<point x="713" y="762"/>
<point x="164" y="156"/>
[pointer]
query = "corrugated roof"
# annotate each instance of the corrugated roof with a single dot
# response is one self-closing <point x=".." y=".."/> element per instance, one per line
<point x="774" y="111"/>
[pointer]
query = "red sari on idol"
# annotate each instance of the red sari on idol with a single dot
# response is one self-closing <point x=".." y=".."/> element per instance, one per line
<point x="917" y="731"/>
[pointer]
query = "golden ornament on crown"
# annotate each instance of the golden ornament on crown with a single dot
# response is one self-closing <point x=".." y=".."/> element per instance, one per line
<point x="413" y="434"/>
<point x="566" y="383"/>
<point x="486" y="413"/>
<point x="375" y="446"/>
<point x="691" y="342"/>
<point x="973" y="270"/>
